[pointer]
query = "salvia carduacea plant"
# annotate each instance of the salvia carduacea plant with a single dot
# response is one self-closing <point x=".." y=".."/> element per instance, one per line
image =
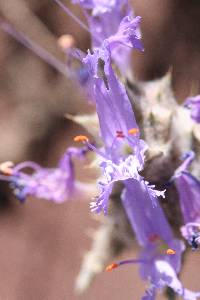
<point x="146" y="145"/>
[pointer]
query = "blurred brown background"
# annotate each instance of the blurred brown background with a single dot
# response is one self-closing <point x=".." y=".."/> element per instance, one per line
<point x="41" y="244"/>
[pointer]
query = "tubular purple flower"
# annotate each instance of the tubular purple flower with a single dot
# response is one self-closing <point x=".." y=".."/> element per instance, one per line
<point x="113" y="106"/>
<point x="146" y="220"/>
<point x="56" y="184"/>
<point x="165" y="275"/>
<point x="155" y="236"/>
<point x="161" y="274"/>
<point x="194" y="104"/>
<point x="189" y="190"/>
<point x="117" y="121"/>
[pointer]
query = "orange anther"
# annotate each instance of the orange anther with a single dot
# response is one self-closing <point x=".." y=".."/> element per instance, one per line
<point x="6" y="167"/>
<point x="112" y="266"/>
<point x="171" y="252"/>
<point x="133" y="131"/>
<point x="81" y="138"/>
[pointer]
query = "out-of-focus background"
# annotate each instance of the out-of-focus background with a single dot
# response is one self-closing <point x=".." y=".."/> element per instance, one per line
<point x="42" y="244"/>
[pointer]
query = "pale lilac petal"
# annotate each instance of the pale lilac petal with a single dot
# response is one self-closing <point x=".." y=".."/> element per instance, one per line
<point x="145" y="218"/>
<point x="189" y="190"/>
<point x="101" y="203"/>
<point x="169" y="278"/>
<point x="128" y="34"/>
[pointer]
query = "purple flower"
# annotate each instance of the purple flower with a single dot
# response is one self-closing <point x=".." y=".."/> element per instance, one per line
<point x="163" y="274"/>
<point x="113" y="21"/>
<point x="113" y="106"/>
<point x="194" y="104"/>
<point x="155" y="236"/>
<point x="117" y="121"/>
<point x="147" y="221"/>
<point x="105" y="17"/>
<point x="128" y="34"/>
<point x="189" y="190"/>
<point x="56" y="184"/>
<point x="160" y="273"/>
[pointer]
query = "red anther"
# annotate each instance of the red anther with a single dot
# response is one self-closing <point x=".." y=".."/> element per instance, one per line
<point x="170" y="252"/>
<point x="6" y="168"/>
<point x="133" y="131"/>
<point x="120" y="134"/>
<point x="112" y="266"/>
<point x="81" y="138"/>
<point x="153" y="237"/>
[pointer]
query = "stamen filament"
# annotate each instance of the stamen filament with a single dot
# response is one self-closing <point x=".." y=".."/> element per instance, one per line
<point x="132" y="261"/>
<point x="70" y="13"/>
<point x="97" y="151"/>
<point x="38" y="50"/>
<point x="84" y="139"/>
<point x="75" y="18"/>
<point x="27" y="164"/>
<point x="124" y="262"/>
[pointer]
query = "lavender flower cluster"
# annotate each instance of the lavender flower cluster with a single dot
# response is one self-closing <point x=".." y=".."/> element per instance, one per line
<point x="123" y="152"/>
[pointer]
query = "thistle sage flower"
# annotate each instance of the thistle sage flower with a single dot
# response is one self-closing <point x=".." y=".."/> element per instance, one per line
<point x="55" y="184"/>
<point x="160" y="258"/>
<point x="129" y="147"/>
